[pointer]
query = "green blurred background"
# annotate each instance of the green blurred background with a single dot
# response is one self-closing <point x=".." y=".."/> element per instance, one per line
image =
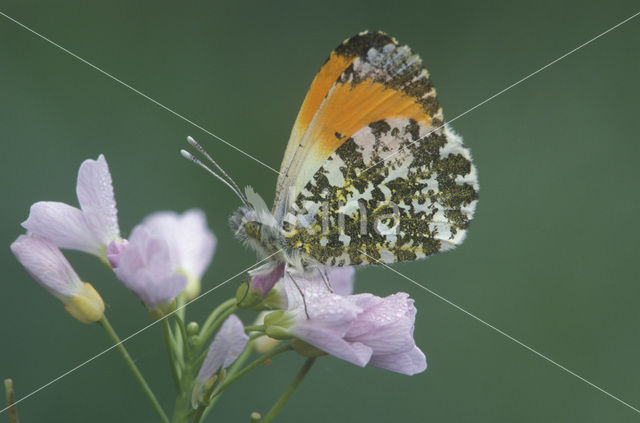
<point x="551" y="257"/>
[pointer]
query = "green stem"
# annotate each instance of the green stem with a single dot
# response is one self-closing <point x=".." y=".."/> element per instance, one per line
<point x="242" y="358"/>
<point x="197" y="417"/>
<point x="180" y="312"/>
<point x="169" y="343"/>
<point x="289" y="391"/>
<point x="11" y="400"/>
<point x="213" y="316"/>
<point x="233" y="374"/>
<point x="206" y="332"/>
<point x="255" y="328"/>
<point x="134" y="369"/>
<point x="183" y="335"/>
<point x="182" y="408"/>
<point x="258" y="361"/>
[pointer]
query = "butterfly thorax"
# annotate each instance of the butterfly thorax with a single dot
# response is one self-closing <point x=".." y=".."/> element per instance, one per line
<point x="261" y="231"/>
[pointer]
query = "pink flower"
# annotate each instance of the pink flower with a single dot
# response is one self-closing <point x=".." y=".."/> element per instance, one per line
<point x="114" y="250"/>
<point x="91" y="227"/>
<point x="386" y="326"/>
<point x="363" y="329"/>
<point x="144" y="265"/>
<point x="227" y="345"/>
<point x="191" y="243"/>
<point x="167" y="254"/>
<point x="46" y="264"/>
<point x="263" y="281"/>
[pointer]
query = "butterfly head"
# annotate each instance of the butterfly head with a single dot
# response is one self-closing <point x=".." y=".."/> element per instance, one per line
<point x="258" y="230"/>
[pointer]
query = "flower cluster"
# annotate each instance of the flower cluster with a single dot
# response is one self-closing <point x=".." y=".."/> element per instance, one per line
<point x="165" y="256"/>
<point x="163" y="261"/>
<point x="363" y="329"/>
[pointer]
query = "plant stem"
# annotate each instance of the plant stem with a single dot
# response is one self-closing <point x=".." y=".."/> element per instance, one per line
<point x="180" y="312"/>
<point x="206" y="327"/>
<point x="183" y="335"/>
<point x="182" y="408"/>
<point x="230" y="373"/>
<point x="288" y="392"/>
<point x="258" y="361"/>
<point x="11" y="399"/>
<point x="255" y="328"/>
<point x="134" y="369"/>
<point x="234" y="374"/>
<point x="169" y="343"/>
<point x="206" y="333"/>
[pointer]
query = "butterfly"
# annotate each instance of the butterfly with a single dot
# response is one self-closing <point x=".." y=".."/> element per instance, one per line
<point x="371" y="173"/>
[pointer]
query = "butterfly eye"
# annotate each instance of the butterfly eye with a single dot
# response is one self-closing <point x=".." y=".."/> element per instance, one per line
<point x="287" y="226"/>
<point x="253" y="229"/>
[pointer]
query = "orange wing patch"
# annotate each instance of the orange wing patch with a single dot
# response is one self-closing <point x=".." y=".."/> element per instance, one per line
<point x="349" y="108"/>
<point x="337" y="62"/>
<point x="322" y="83"/>
<point x="383" y="82"/>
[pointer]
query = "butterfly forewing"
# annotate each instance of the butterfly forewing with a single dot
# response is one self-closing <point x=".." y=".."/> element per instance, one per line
<point x="302" y="151"/>
<point x="376" y="177"/>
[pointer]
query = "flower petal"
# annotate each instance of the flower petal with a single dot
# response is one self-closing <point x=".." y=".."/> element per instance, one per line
<point x="270" y="273"/>
<point x="408" y="363"/>
<point x="330" y="317"/>
<point x="46" y="264"/>
<point x="196" y="242"/>
<point x="190" y="241"/>
<point x="97" y="201"/>
<point x="63" y="225"/>
<point x="332" y="343"/>
<point x="145" y="267"/>
<point x="386" y="324"/>
<point x="227" y="345"/>
<point x="114" y="249"/>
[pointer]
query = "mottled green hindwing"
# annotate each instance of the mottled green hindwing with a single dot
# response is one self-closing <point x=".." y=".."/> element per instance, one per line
<point x="345" y="214"/>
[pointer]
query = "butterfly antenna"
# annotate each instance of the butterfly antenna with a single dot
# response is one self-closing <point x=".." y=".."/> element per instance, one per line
<point x="201" y="149"/>
<point x="197" y="161"/>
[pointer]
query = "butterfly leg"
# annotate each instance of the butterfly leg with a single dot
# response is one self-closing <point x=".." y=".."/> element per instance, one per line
<point x="304" y="301"/>
<point x="325" y="278"/>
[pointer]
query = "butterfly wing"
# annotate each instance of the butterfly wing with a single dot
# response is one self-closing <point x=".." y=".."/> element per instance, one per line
<point x="376" y="176"/>
<point x="300" y="148"/>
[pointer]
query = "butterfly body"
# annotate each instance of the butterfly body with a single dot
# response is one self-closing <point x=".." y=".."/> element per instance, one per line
<point x="371" y="173"/>
<point x="260" y="231"/>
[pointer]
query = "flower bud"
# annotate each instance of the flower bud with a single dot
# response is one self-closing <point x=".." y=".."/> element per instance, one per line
<point x="275" y="299"/>
<point x="192" y="289"/>
<point x="306" y="350"/>
<point x="87" y="306"/>
<point x="227" y="345"/>
<point x="48" y="266"/>
<point x="277" y="324"/>
<point x="192" y="328"/>
<point x="260" y="286"/>
<point x="162" y="309"/>
<point x="262" y="344"/>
